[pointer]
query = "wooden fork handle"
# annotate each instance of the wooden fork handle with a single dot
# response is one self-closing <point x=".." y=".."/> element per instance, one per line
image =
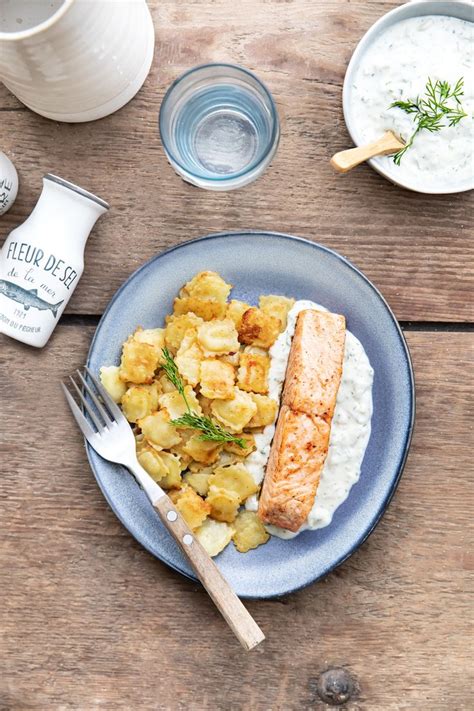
<point x="235" y="614"/>
<point x="346" y="160"/>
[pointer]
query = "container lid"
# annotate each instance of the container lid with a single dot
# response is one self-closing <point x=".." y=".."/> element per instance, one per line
<point x="77" y="189"/>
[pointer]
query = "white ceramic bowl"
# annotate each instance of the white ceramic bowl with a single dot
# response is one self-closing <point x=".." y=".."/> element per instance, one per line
<point x="453" y="8"/>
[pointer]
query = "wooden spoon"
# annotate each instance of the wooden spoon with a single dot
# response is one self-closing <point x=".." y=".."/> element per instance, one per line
<point x="383" y="146"/>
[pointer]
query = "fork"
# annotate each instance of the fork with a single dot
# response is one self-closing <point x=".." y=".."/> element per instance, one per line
<point x="111" y="436"/>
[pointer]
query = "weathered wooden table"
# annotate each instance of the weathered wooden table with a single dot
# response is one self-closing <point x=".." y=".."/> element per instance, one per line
<point x="89" y="619"/>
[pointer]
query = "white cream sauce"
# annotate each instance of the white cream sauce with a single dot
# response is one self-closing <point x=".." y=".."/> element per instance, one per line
<point x="350" y="429"/>
<point x="397" y="66"/>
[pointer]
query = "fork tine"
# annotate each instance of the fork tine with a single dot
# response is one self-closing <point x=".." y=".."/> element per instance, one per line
<point x="87" y="407"/>
<point x="115" y="411"/>
<point x="87" y="430"/>
<point x="103" y="412"/>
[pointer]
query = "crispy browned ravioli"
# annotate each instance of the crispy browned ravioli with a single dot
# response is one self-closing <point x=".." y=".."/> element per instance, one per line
<point x="221" y="377"/>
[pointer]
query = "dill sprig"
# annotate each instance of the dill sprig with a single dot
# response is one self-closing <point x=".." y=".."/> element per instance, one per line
<point x="211" y="431"/>
<point x="172" y="373"/>
<point x="431" y="110"/>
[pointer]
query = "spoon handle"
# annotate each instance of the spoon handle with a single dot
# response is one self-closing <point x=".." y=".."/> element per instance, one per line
<point x="346" y="160"/>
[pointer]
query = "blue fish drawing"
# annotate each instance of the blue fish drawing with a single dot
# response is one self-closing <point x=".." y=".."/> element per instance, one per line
<point x="27" y="297"/>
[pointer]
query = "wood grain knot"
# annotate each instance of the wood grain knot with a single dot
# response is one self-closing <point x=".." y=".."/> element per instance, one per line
<point x="336" y="686"/>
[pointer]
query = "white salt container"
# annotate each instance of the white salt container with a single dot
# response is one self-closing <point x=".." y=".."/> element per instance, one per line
<point x="42" y="260"/>
<point x="8" y="183"/>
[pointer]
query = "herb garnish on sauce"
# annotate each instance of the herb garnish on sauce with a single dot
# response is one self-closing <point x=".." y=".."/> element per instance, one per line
<point x="432" y="109"/>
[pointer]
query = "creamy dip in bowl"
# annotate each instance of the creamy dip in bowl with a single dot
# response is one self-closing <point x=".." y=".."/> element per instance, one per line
<point x="394" y="60"/>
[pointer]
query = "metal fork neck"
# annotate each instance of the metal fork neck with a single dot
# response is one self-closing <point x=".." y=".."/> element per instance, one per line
<point x="150" y="487"/>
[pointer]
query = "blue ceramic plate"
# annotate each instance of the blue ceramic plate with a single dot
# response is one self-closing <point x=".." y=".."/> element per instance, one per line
<point x="264" y="263"/>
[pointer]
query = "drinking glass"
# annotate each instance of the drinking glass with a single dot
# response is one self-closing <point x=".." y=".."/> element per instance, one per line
<point x="219" y="126"/>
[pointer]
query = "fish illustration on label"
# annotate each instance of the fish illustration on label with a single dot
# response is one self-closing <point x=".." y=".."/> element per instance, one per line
<point x="28" y="298"/>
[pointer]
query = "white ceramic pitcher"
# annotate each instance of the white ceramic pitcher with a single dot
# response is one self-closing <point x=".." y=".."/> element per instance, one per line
<point x="75" y="60"/>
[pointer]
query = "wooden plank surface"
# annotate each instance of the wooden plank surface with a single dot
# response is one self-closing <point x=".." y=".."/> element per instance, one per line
<point x="88" y="619"/>
<point x="417" y="249"/>
<point x="92" y="621"/>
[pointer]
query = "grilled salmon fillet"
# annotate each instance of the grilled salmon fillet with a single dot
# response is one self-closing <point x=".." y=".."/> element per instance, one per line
<point x="301" y="441"/>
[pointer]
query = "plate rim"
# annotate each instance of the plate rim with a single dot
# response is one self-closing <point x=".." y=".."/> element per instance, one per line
<point x="412" y="414"/>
